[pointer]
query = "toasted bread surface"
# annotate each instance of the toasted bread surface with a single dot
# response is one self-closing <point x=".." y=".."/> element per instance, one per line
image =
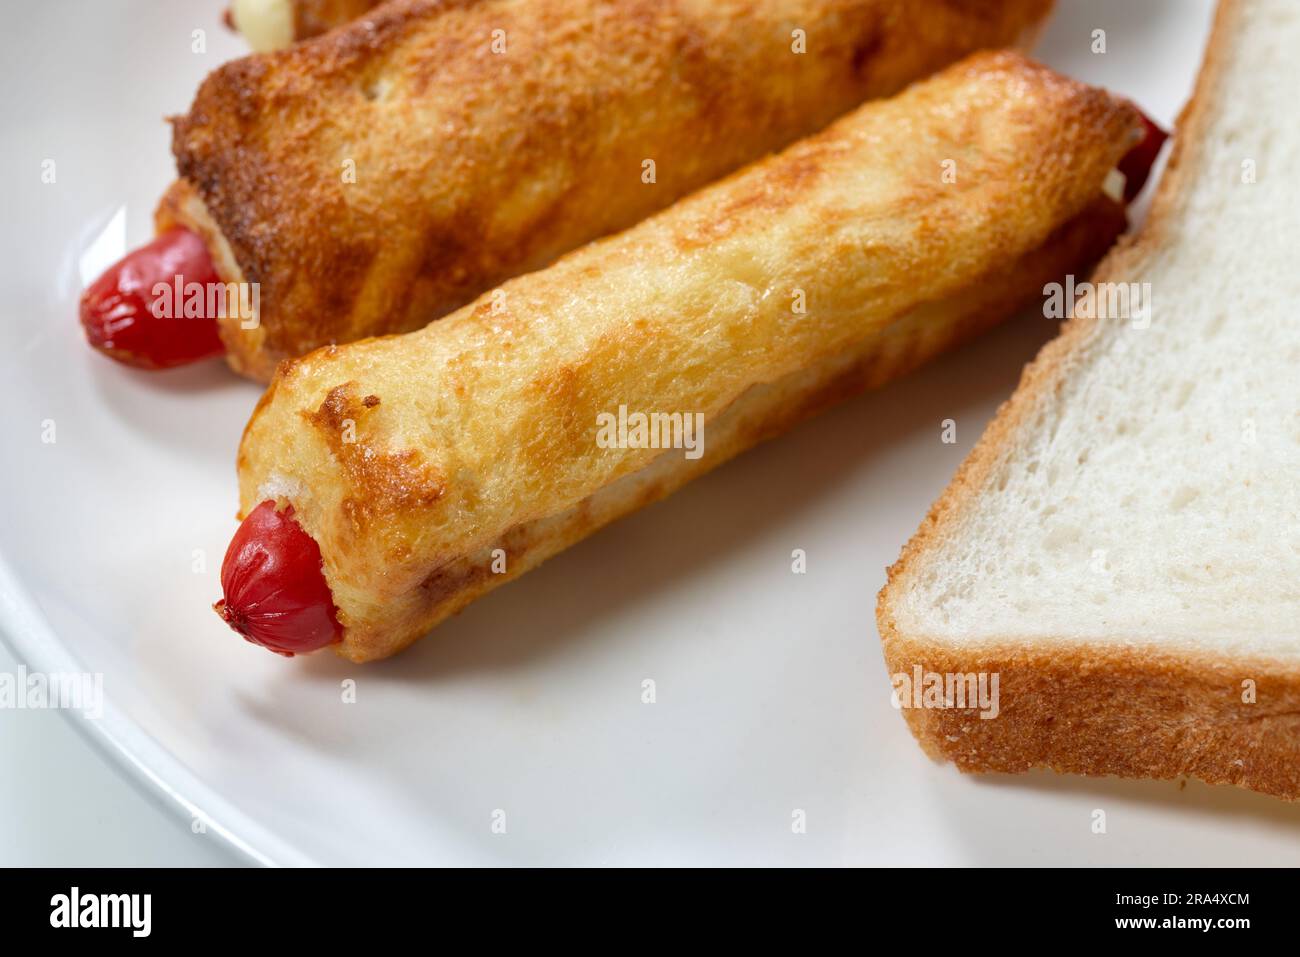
<point x="845" y="260"/>
<point x="314" y="17"/>
<point x="385" y="173"/>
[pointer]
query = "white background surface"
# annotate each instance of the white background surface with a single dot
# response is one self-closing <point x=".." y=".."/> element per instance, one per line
<point x="772" y="695"/>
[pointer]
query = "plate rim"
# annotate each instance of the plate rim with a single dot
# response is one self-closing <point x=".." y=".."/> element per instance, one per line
<point x="133" y="753"/>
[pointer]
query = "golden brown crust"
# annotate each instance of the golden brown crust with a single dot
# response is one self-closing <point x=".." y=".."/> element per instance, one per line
<point x="314" y="17"/>
<point x="1130" y="711"/>
<point x="691" y="311"/>
<point x="386" y="481"/>
<point x="472" y="166"/>
<point x="762" y="413"/>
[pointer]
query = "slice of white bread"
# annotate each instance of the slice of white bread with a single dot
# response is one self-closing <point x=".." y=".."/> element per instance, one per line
<point x="1122" y="546"/>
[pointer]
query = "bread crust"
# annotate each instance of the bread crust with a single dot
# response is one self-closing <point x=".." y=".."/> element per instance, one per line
<point x="1136" y="711"/>
<point x="313" y="17"/>
<point x="411" y="459"/>
<point x="388" y="172"/>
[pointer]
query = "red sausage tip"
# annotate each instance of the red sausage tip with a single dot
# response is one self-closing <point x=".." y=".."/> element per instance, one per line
<point x="1137" y="162"/>
<point x="276" y="595"/>
<point x="126" y="321"/>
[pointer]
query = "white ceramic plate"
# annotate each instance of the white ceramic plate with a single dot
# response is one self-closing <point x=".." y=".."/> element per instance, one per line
<point x="771" y="693"/>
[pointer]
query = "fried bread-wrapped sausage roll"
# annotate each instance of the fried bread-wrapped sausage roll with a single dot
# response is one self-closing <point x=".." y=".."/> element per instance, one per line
<point x="388" y="483"/>
<point x="274" y="24"/>
<point x="382" y="175"/>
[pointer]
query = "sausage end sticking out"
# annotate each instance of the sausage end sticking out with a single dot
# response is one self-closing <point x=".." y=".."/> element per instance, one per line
<point x="276" y="595"/>
<point x="1137" y="162"/>
<point x="142" y="310"/>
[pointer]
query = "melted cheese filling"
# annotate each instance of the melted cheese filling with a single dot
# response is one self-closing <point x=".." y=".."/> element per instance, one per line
<point x="266" y="24"/>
